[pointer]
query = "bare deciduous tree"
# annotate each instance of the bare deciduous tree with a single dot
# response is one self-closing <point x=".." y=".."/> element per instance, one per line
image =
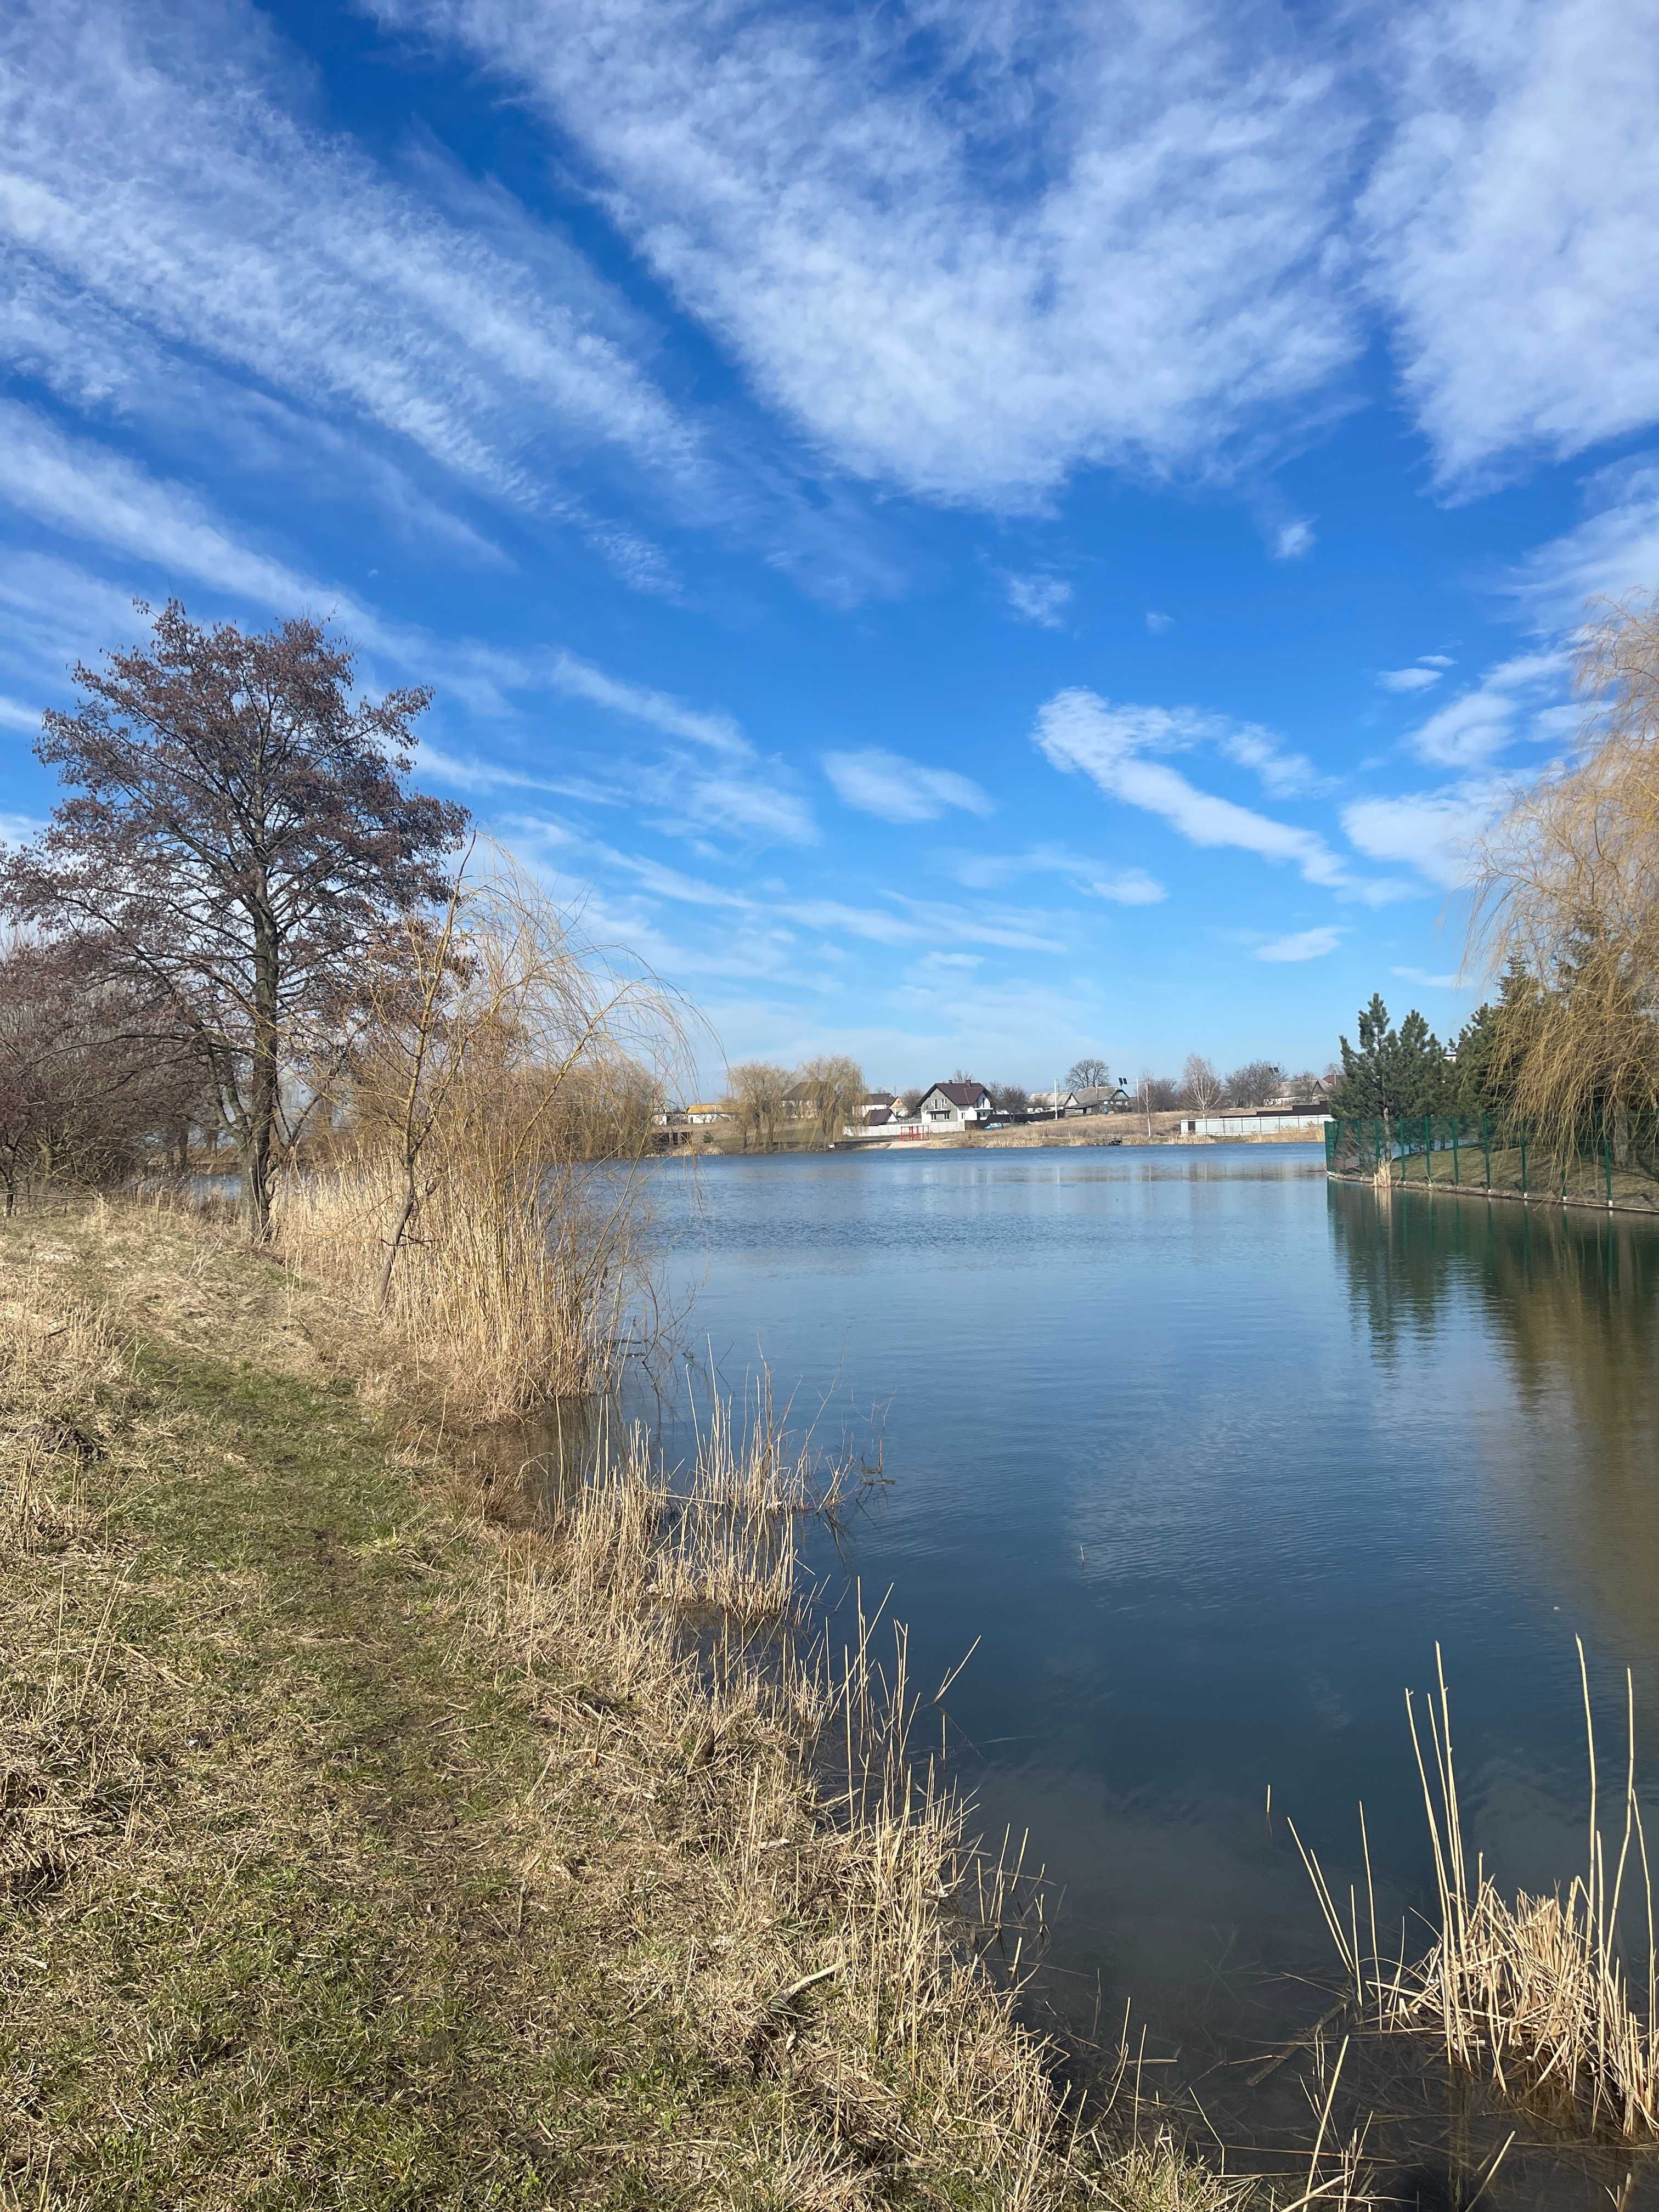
<point x="1255" y="1083"/>
<point x="1088" y="1073"/>
<point x="1201" y="1080"/>
<point x="239" y="831"/>
<point x="93" y="1077"/>
<point x="755" y="1100"/>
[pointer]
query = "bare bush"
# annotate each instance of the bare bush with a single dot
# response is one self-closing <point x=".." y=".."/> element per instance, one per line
<point x="480" y="1183"/>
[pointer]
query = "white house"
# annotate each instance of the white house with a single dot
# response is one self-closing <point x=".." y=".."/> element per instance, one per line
<point x="952" y="1106"/>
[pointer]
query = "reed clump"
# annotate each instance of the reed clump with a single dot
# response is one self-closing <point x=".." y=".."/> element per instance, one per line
<point x="846" y="1913"/>
<point x="1535" y="1995"/>
<point x="474" y="1184"/>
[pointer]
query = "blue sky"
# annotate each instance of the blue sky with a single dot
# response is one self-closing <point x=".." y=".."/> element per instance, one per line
<point x="963" y="531"/>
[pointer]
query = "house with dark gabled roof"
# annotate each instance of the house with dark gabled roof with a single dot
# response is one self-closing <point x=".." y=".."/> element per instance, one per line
<point x="948" y="1106"/>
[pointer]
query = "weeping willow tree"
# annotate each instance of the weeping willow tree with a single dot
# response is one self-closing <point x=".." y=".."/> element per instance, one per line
<point x="1566" y="894"/>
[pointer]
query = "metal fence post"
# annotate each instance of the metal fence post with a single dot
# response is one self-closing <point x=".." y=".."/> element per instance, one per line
<point x="1606" y="1158"/>
<point x="1485" y="1144"/>
<point x="1523" y="1159"/>
<point x="1428" y="1148"/>
<point x="1455" y="1119"/>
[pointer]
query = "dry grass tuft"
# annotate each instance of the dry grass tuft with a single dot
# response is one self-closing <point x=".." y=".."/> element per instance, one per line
<point x="68" y="1767"/>
<point x="1536" y="1996"/>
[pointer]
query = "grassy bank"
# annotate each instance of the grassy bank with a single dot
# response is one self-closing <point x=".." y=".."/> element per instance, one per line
<point x="1541" y="1179"/>
<point x="365" y="1844"/>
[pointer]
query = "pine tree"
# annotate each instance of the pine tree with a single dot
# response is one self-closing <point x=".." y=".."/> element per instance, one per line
<point x="1392" y="1072"/>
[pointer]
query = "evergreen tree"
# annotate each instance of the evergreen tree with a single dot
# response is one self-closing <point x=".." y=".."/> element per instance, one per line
<point x="1484" y="1062"/>
<point x="1392" y="1072"/>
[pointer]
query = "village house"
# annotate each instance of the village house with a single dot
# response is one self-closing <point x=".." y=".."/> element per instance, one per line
<point x="949" y="1106"/>
<point x="1102" y="1098"/>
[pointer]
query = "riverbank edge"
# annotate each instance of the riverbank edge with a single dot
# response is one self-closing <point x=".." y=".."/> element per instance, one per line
<point x="330" y="1877"/>
<point x="1434" y="1187"/>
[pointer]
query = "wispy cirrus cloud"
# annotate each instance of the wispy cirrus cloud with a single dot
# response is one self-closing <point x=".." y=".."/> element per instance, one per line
<point x="1509" y="223"/>
<point x="1613" y="552"/>
<point x="1420" y="678"/>
<point x="1134" y="279"/>
<point x="1116" y="747"/>
<point x="1519" y="698"/>
<point x="86" y="490"/>
<point x="885" y="784"/>
<point x="1040" y="600"/>
<point x="1302" y="945"/>
<point x="1119" y="886"/>
<point x="15" y="715"/>
<point x="146" y="164"/>
<point x="1428" y="981"/>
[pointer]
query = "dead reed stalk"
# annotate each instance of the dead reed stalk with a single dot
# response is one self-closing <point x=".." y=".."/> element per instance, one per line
<point x="1535" y="1995"/>
<point x="678" y="1601"/>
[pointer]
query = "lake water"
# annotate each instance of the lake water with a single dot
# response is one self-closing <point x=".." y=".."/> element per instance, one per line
<point x="1209" y="1453"/>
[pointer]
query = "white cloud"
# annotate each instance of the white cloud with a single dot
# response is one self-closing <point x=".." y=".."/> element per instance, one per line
<point x="87" y="491"/>
<point x="18" y="830"/>
<point x="1159" y="625"/>
<point x="1613" y="552"/>
<point x="965" y="253"/>
<point x="1435" y="832"/>
<point x="1119" y="886"/>
<point x="15" y="715"/>
<point x="1125" y="887"/>
<point x="900" y="790"/>
<point x="1304" y="945"/>
<point x="154" y="184"/>
<point x="1409" y="679"/>
<point x="1421" y="976"/>
<point x="1041" y="599"/>
<point x="658" y="710"/>
<point x="1507" y="702"/>
<point x="1436" y="661"/>
<point x="1077" y="729"/>
<point x="1510" y="223"/>
<point x="1292" y="539"/>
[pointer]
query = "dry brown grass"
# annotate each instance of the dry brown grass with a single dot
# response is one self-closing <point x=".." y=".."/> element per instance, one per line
<point x="1534" y="1995"/>
<point x="829" y="1927"/>
<point x="514" y="1292"/>
<point x="371" y="1848"/>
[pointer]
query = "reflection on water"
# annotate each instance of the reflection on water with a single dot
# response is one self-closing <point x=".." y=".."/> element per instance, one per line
<point x="1211" y="1454"/>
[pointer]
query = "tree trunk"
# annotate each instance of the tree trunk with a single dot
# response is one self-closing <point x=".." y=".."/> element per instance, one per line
<point x="406" y="1215"/>
<point x="1621" y="1136"/>
<point x="260" y="1130"/>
